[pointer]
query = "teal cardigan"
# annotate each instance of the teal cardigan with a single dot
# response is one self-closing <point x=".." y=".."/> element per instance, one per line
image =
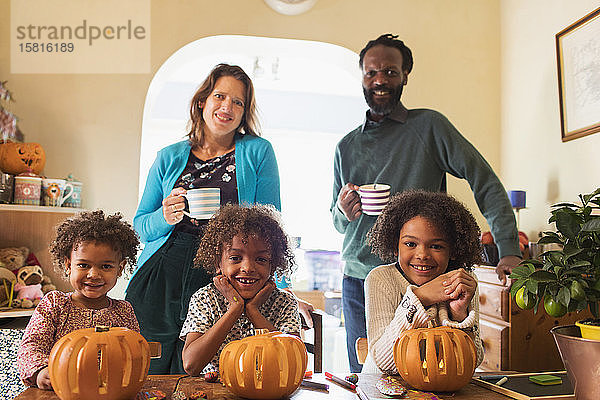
<point x="257" y="182"/>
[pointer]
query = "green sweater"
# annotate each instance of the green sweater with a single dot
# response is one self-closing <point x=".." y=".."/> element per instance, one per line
<point x="414" y="149"/>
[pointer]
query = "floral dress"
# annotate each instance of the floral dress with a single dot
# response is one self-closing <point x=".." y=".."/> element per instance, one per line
<point x="56" y="316"/>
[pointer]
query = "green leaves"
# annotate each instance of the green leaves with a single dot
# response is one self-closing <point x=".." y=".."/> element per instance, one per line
<point x="591" y="226"/>
<point x="569" y="275"/>
<point x="567" y="222"/>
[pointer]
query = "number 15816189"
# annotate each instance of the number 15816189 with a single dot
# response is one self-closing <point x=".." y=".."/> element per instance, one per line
<point x="36" y="47"/>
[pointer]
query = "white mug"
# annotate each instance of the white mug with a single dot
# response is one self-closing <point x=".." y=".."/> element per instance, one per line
<point x="202" y="202"/>
<point x="374" y="197"/>
<point x="55" y="191"/>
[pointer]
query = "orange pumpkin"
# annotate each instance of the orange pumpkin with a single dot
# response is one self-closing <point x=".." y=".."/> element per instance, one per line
<point x="16" y="158"/>
<point x="269" y="365"/>
<point x="435" y="359"/>
<point x="99" y="363"/>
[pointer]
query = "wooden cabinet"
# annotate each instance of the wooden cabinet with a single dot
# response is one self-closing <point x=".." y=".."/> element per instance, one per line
<point x="515" y="339"/>
<point x="33" y="226"/>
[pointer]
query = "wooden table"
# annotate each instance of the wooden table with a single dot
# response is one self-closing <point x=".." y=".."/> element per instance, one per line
<point x="170" y="383"/>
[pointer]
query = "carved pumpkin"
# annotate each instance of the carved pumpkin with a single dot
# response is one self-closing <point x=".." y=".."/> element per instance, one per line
<point x="435" y="359"/>
<point x="269" y="365"/>
<point x="99" y="363"/>
<point x="16" y="158"/>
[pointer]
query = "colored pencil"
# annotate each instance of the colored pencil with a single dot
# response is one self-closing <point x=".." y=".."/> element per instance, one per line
<point x="314" y="385"/>
<point x="339" y="381"/>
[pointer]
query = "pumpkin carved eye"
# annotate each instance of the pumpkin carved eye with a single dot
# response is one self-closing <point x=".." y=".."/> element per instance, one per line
<point x="21" y="151"/>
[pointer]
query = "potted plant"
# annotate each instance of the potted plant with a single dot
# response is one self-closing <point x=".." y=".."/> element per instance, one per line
<point x="565" y="279"/>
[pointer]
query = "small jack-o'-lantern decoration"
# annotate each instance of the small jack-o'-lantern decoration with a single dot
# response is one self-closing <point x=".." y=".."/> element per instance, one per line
<point x="269" y="365"/>
<point x="99" y="363"/>
<point x="16" y="158"/>
<point x="435" y="359"/>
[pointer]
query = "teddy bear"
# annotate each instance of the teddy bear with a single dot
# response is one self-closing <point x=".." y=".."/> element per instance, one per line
<point x="13" y="258"/>
<point x="28" y="286"/>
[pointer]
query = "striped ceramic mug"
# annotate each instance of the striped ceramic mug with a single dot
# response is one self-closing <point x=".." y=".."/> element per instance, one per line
<point x="202" y="202"/>
<point x="374" y="197"/>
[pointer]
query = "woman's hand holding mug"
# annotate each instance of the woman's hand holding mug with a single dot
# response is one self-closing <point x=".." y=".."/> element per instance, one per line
<point x="173" y="206"/>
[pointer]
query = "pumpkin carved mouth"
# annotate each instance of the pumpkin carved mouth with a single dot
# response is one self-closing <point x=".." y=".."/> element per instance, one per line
<point x="16" y="158"/>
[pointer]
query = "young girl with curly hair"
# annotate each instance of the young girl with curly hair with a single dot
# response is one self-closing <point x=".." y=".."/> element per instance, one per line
<point x="432" y="242"/>
<point x="92" y="250"/>
<point x="243" y="247"/>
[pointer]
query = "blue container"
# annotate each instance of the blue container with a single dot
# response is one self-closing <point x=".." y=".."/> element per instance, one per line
<point x="517" y="198"/>
<point x="325" y="270"/>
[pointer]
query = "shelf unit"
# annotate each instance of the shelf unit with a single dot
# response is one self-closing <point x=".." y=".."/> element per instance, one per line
<point x="33" y="226"/>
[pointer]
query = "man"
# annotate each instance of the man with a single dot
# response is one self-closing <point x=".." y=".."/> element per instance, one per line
<point x="405" y="149"/>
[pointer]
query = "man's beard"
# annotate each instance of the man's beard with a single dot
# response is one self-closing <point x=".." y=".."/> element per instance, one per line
<point x="387" y="107"/>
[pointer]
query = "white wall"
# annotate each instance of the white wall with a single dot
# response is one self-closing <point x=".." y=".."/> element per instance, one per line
<point x="533" y="157"/>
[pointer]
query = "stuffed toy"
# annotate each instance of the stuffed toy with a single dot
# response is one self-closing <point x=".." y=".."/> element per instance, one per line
<point x="7" y="281"/>
<point x="13" y="258"/>
<point x="29" y="286"/>
<point x="47" y="285"/>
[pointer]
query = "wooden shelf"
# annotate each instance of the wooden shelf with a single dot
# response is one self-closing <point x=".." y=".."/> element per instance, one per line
<point x="33" y="227"/>
<point x="16" y="312"/>
<point x="40" y="209"/>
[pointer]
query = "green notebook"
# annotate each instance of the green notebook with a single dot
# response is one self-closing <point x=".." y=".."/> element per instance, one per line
<point x="546" y="379"/>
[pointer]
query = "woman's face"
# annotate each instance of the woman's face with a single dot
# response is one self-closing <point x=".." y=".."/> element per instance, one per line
<point x="223" y="109"/>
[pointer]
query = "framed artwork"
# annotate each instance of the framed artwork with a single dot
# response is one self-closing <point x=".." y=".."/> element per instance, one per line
<point x="578" y="57"/>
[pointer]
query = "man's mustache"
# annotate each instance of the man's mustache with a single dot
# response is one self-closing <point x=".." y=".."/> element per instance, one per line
<point x="379" y="88"/>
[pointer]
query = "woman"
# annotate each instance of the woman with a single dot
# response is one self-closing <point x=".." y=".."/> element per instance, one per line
<point x="223" y="151"/>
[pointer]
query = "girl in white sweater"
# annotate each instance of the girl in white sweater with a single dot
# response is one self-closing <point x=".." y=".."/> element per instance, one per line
<point x="434" y="241"/>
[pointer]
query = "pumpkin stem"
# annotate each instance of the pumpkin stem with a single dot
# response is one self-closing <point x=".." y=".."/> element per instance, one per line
<point x="102" y="328"/>
<point x="260" y="331"/>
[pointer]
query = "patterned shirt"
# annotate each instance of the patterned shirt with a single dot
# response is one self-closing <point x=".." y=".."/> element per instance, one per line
<point x="56" y="316"/>
<point x="217" y="172"/>
<point x="208" y="305"/>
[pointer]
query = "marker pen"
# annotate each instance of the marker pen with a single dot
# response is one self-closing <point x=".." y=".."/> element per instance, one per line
<point x="340" y="381"/>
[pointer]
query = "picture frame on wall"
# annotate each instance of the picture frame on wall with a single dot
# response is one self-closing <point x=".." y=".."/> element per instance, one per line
<point x="578" y="58"/>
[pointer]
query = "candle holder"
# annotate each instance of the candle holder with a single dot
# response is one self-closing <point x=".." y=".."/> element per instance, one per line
<point x="518" y="201"/>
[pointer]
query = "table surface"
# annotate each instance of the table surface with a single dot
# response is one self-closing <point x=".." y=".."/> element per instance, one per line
<point x="189" y="385"/>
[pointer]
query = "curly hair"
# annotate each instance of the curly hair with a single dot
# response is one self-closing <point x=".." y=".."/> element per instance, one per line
<point x="446" y="213"/>
<point x="94" y="226"/>
<point x="259" y="220"/>
<point x="389" y="40"/>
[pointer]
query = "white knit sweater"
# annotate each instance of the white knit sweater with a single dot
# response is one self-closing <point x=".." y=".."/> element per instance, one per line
<point x="392" y="308"/>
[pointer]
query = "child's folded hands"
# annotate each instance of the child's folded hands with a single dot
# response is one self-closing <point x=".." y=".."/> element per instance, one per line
<point x="460" y="287"/>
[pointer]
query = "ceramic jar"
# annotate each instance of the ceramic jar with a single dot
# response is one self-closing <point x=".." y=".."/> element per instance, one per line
<point x="74" y="200"/>
<point x="28" y="189"/>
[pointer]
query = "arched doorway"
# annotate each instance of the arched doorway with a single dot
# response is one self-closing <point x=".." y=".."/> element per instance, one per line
<point x="309" y="96"/>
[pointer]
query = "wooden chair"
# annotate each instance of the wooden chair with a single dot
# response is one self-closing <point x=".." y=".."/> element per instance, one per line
<point x="316" y="348"/>
<point x="362" y="349"/>
<point x="155" y="349"/>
